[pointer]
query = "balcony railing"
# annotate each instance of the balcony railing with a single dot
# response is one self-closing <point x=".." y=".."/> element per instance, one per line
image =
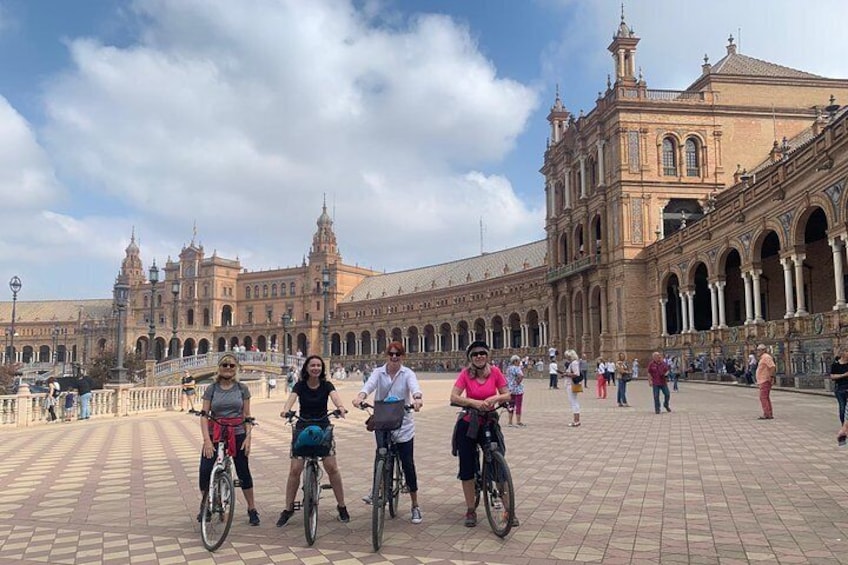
<point x="578" y="266"/>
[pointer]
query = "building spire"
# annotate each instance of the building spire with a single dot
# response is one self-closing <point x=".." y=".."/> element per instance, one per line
<point x="194" y="233"/>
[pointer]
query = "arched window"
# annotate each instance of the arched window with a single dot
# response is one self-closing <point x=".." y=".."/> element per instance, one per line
<point x="264" y="291"/>
<point x="256" y="291"/>
<point x="206" y="319"/>
<point x="291" y="289"/>
<point x="145" y="301"/>
<point x="669" y="157"/>
<point x="247" y="292"/>
<point x="693" y="162"/>
<point x="274" y="290"/>
<point x="190" y="317"/>
<point x="282" y="289"/>
<point x="158" y="300"/>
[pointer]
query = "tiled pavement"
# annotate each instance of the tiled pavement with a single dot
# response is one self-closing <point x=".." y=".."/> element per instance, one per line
<point x="707" y="483"/>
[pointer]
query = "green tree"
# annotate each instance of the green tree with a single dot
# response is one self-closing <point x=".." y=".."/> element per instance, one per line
<point x="101" y="368"/>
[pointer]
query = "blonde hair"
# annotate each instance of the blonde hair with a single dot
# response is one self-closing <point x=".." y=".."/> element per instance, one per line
<point x="224" y="358"/>
<point x="571" y="354"/>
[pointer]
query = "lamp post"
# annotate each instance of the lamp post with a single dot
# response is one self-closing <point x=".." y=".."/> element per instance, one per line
<point x="286" y="320"/>
<point x="55" y="334"/>
<point x="65" y="352"/>
<point x="325" y="330"/>
<point x="15" y="286"/>
<point x="121" y="291"/>
<point x="86" y="328"/>
<point x="175" y="290"/>
<point x="153" y="277"/>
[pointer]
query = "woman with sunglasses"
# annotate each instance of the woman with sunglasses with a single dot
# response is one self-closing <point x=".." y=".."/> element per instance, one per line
<point x="228" y="398"/>
<point x="485" y="387"/>
<point x="313" y="392"/>
<point x="395" y="380"/>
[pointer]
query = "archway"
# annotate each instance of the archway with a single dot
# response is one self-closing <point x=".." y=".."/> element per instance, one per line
<point x="350" y="343"/>
<point x="381" y="342"/>
<point x="366" y="343"/>
<point x="819" y="288"/>
<point x="734" y="291"/>
<point x="445" y="337"/>
<point x="514" y="331"/>
<point x="702" y="302"/>
<point x="673" y="312"/>
<point x="463" y="332"/>
<point x="203" y="347"/>
<point x="429" y="338"/>
<point x="412" y="339"/>
<point x="227" y="315"/>
<point x="497" y="333"/>
<point x="534" y="335"/>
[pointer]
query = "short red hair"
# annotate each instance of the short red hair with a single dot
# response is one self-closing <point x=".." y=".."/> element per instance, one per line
<point x="398" y="346"/>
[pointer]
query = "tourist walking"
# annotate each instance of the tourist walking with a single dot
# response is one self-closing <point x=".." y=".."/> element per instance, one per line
<point x="188" y="389"/>
<point x="658" y="370"/>
<point x="601" y="378"/>
<point x="573" y="384"/>
<point x="766" y="377"/>
<point x="553" y="373"/>
<point x="624" y="374"/>
<point x="51" y="398"/>
<point x="674" y="372"/>
<point x="839" y="376"/>
<point x="515" y="383"/>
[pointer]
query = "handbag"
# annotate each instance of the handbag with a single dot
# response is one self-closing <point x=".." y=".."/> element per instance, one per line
<point x="576" y="387"/>
<point x="386" y="416"/>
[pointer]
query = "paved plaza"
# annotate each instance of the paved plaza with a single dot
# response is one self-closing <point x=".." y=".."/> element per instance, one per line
<point x="707" y="483"/>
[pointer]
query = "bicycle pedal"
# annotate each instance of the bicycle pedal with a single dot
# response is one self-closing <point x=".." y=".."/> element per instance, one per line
<point x="326" y="487"/>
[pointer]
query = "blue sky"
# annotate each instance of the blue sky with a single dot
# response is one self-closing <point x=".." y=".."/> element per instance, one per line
<point x="416" y="118"/>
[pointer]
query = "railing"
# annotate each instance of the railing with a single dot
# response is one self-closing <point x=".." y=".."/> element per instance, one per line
<point x="658" y="95"/>
<point x="26" y="409"/>
<point x="582" y="264"/>
<point x="247" y="358"/>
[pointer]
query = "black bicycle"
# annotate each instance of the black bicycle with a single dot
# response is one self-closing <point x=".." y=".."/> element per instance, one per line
<point x="312" y="474"/>
<point x="218" y="505"/>
<point x="493" y="479"/>
<point x="388" y="482"/>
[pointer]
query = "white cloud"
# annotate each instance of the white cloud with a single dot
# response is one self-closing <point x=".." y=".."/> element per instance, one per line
<point x="241" y="115"/>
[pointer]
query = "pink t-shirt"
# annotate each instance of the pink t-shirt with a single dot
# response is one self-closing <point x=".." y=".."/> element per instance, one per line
<point x="476" y="391"/>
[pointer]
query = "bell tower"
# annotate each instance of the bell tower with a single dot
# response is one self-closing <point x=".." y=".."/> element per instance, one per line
<point x="623" y="49"/>
<point x="324" y="249"/>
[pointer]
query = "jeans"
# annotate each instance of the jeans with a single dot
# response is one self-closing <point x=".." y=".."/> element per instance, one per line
<point x="553" y="381"/>
<point x="675" y="378"/>
<point x="621" y="394"/>
<point x="657" y="389"/>
<point x="841" y="393"/>
<point x="85" y="406"/>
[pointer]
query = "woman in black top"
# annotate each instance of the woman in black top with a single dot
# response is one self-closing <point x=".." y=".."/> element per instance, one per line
<point x="839" y="376"/>
<point x="313" y="391"/>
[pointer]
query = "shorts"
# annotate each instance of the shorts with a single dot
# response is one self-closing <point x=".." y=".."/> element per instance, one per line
<point x="188" y="391"/>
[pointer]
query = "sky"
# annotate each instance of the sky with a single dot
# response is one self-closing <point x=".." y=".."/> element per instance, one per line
<point x="417" y="120"/>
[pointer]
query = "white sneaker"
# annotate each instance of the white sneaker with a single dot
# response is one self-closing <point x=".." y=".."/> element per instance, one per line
<point x="417" y="517"/>
<point x="367" y="498"/>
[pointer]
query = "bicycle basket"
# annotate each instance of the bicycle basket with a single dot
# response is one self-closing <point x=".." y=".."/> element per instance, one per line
<point x="313" y="441"/>
<point x="387" y="416"/>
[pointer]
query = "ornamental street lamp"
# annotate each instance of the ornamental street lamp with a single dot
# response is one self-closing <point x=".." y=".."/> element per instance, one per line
<point x="325" y="330"/>
<point x="121" y="292"/>
<point x="55" y="334"/>
<point x="153" y="277"/>
<point x="286" y="320"/>
<point x="175" y="290"/>
<point x="86" y="328"/>
<point x="65" y="352"/>
<point x="15" y="286"/>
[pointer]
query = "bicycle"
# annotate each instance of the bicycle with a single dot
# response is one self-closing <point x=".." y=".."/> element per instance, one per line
<point x="310" y="483"/>
<point x="218" y="503"/>
<point x="387" y="484"/>
<point x="494" y="482"/>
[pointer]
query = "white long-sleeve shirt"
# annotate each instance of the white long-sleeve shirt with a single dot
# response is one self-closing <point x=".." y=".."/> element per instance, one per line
<point x="405" y="385"/>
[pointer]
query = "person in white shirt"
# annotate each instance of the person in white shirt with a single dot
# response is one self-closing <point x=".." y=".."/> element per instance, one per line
<point x="394" y="379"/>
<point x="553" y="373"/>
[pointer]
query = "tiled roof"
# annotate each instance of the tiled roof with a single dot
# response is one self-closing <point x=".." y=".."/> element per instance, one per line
<point x="55" y="310"/>
<point x="736" y="64"/>
<point x="464" y="271"/>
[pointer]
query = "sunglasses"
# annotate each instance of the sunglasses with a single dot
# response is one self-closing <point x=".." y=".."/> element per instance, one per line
<point x="479" y="353"/>
<point x="228" y="365"/>
<point x="394" y="354"/>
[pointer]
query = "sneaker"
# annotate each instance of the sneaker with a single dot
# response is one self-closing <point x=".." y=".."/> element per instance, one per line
<point x="521" y="425"/>
<point x="343" y="515"/>
<point x="253" y="517"/>
<point x="514" y="523"/>
<point x="284" y="517"/>
<point x="667" y="409"/>
<point x="200" y="516"/>
<point x="367" y="498"/>
<point x="470" y="519"/>
<point x="841" y="440"/>
<point x="417" y="517"/>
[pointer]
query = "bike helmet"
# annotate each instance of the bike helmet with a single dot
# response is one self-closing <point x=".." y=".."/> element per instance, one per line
<point x="310" y="436"/>
<point x="476" y="345"/>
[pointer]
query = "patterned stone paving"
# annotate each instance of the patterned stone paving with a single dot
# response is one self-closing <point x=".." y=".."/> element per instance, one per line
<point x="707" y="483"/>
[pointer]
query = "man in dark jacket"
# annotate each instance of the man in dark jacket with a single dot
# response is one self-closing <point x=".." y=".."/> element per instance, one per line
<point x="83" y="386"/>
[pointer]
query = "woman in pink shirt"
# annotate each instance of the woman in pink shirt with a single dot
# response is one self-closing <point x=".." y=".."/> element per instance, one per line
<point x="485" y="387"/>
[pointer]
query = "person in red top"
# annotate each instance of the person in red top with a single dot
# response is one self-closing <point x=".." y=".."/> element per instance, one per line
<point x="658" y="370"/>
<point x="485" y="387"/>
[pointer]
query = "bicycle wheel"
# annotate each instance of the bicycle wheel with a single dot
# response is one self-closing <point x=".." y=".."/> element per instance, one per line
<point x="217" y="506"/>
<point x="498" y="494"/>
<point x="310" y="502"/>
<point x="394" y="480"/>
<point x="378" y="504"/>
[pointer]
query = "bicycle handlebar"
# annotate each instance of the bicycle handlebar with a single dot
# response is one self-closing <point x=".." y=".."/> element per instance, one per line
<point x="292" y="415"/>
<point x="500" y="406"/>
<point x="201" y="413"/>
<point x="365" y="406"/>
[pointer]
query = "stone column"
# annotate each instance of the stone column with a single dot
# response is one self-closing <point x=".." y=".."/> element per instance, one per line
<point x="585" y="297"/>
<point x="600" y="162"/>
<point x="838" y="274"/>
<point x="758" y="307"/>
<point x="722" y="315"/>
<point x="786" y="262"/>
<point x="567" y="184"/>
<point x="798" y="259"/>
<point x="604" y="318"/>
<point x="713" y="304"/>
<point x="663" y="302"/>
<point x="551" y="194"/>
<point x="749" y="308"/>
<point x="690" y="296"/>
<point x="582" y="176"/>
<point x="684" y="312"/>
